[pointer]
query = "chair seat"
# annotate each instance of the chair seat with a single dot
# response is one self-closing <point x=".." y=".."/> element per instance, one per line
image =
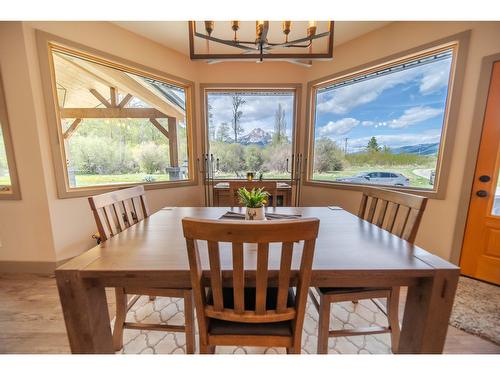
<point x="224" y="327"/>
<point x="348" y="290"/>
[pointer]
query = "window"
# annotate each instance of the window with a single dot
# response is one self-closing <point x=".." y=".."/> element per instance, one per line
<point x="385" y="125"/>
<point x="252" y="131"/>
<point x="9" y="187"/>
<point x="119" y="126"/>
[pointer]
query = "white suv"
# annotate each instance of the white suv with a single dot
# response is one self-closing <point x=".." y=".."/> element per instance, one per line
<point x="378" y="178"/>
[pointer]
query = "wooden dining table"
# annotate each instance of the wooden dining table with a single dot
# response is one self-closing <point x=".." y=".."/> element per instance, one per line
<point x="350" y="252"/>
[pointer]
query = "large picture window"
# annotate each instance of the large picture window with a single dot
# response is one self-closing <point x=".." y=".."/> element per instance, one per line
<point x="118" y="126"/>
<point x="9" y="187"/>
<point x="251" y="130"/>
<point x="383" y="126"/>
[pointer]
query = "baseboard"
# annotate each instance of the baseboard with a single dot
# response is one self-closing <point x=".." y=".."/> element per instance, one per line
<point x="27" y="267"/>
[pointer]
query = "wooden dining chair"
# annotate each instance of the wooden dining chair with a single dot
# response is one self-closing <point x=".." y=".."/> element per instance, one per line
<point x="114" y="212"/>
<point x="240" y="307"/>
<point x="270" y="186"/>
<point x="398" y="213"/>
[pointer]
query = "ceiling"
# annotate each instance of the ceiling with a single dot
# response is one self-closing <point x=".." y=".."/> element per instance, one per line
<point x="174" y="34"/>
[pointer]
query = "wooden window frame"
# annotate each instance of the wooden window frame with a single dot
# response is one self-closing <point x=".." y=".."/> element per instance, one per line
<point x="206" y="88"/>
<point x="13" y="191"/>
<point x="459" y="43"/>
<point x="46" y="44"/>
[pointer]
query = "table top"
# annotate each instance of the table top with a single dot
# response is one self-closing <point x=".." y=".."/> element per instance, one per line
<point x="346" y="247"/>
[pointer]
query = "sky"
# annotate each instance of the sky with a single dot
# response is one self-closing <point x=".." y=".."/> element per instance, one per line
<point x="402" y="108"/>
<point x="258" y="111"/>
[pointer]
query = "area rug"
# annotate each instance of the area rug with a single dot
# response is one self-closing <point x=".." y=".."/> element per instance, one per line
<point x="170" y="311"/>
<point x="476" y="309"/>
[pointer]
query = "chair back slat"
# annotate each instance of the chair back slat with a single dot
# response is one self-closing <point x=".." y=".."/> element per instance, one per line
<point x="284" y="275"/>
<point x="238" y="233"/>
<point x="261" y="278"/>
<point x="238" y="278"/>
<point x="270" y="186"/>
<point x="215" y="275"/>
<point x="117" y="210"/>
<point x="396" y="212"/>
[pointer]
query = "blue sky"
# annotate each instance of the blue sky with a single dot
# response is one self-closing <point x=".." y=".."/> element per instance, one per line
<point x="401" y="108"/>
<point x="258" y="111"/>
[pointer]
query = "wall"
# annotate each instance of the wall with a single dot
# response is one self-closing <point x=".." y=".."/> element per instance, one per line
<point x="43" y="228"/>
<point x="437" y="232"/>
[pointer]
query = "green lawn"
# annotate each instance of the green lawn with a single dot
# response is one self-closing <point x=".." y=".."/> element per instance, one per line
<point x="5" y="180"/>
<point x="97" y="179"/>
<point x="415" y="181"/>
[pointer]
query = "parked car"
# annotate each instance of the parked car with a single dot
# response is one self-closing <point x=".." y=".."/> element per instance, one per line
<point x="378" y="178"/>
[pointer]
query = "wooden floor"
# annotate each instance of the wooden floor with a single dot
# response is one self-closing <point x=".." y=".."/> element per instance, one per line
<point x="31" y="320"/>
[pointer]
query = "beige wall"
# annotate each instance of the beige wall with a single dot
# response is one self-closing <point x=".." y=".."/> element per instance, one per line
<point x="42" y="227"/>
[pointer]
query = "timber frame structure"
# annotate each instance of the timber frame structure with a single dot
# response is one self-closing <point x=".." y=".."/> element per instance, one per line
<point x="116" y="84"/>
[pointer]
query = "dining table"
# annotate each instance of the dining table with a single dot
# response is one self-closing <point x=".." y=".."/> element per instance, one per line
<point x="350" y="252"/>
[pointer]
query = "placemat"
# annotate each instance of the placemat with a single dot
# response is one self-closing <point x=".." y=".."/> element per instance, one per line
<point x="269" y="216"/>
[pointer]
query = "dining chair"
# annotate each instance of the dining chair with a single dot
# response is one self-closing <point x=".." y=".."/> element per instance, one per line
<point x="114" y="212"/>
<point x="270" y="186"/>
<point x="240" y="307"/>
<point x="398" y="213"/>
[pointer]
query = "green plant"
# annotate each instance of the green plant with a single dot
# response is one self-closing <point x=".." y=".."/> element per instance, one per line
<point x="253" y="199"/>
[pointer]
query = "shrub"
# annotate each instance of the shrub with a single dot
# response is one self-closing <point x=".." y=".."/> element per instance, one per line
<point x="254" y="158"/>
<point x="152" y="157"/>
<point x="328" y="156"/>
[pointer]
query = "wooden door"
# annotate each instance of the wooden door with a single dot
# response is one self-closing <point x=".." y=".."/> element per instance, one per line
<point x="481" y="249"/>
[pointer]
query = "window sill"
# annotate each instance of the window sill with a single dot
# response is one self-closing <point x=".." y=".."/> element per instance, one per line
<point x="431" y="194"/>
<point x="93" y="190"/>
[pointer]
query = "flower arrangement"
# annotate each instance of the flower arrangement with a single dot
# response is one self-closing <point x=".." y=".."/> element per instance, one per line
<point x="254" y="202"/>
<point x="254" y="198"/>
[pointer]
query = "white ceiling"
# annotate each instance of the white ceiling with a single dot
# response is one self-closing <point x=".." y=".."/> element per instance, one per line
<point x="174" y="34"/>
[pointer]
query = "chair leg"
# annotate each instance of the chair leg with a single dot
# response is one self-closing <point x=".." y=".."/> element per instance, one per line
<point x="121" y="313"/>
<point x="393" y="317"/>
<point x="152" y="298"/>
<point x="207" y="349"/>
<point x="323" y="324"/>
<point x="189" y="321"/>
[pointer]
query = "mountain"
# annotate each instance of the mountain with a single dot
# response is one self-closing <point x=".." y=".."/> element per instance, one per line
<point x="257" y="136"/>
<point x="420" y="149"/>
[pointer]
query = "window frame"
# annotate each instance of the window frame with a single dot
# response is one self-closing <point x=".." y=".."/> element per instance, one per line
<point x="206" y="88"/>
<point x="47" y="43"/>
<point x="459" y="44"/>
<point x="14" y="191"/>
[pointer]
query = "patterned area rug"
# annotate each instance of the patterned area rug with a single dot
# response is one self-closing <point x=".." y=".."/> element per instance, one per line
<point x="170" y="310"/>
<point x="476" y="309"/>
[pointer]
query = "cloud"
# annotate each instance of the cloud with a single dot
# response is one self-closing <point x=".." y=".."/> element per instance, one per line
<point x="342" y="100"/>
<point x="339" y="127"/>
<point x="413" y="116"/>
<point x="368" y="123"/>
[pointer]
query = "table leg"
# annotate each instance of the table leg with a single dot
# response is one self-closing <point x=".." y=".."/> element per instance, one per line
<point x="427" y="312"/>
<point x="85" y="313"/>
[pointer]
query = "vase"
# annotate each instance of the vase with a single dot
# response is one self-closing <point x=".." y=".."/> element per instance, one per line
<point x="255" y="213"/>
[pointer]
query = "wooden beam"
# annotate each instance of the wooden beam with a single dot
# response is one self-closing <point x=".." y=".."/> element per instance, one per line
<point x="172" y="142"/>
<point x="68" y="133"/>
<point x="160" y="128"/>
<point x="101" y="98"/>
<point x="125" y="83"/>
<point x="111" y="113"/>
<point x="125" y="101"/>
<point x="113" y="95"/>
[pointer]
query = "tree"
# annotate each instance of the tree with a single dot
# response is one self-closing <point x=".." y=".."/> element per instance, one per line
<point x="327" y="156"/>
<point x="223" y="132"/>
<point x="279" y="135"/>
<point x="373" y="145"/>
<point x="238" y="102"/>
<point x="254" y="158"/>
<point x="211" y="126"/>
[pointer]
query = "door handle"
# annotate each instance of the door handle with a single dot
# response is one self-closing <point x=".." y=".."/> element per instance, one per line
<point x="484" y="178"/>
<point x="482" y="193"/>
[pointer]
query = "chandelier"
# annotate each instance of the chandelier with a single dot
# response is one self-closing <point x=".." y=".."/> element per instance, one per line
<point x="214" y="44"/>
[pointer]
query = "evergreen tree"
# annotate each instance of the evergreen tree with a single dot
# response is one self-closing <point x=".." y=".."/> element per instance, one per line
<point x="372" y="145"/>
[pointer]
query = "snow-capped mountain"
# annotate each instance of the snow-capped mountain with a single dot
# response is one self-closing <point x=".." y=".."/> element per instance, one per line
<point x="257" y="136"/>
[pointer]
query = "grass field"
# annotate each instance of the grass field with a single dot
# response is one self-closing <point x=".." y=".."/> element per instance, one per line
<point x="5" y="180"/>
<point x="97" y="179"/>
<point x="407" y="171"/>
